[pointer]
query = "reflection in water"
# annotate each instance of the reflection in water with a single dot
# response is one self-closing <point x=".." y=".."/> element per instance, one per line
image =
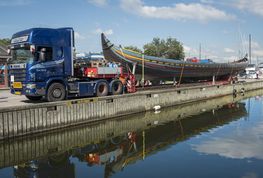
<point x="244" y="142"/>
<point x="56" y="166"/>
<point x="116" y="144"/>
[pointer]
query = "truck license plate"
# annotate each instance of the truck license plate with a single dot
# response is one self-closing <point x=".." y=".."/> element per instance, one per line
<point x="17" y="93"/>
<point x="17" y="85"/>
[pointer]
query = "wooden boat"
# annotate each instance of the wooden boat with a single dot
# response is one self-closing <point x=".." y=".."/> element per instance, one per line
<point x="160" y="69"/>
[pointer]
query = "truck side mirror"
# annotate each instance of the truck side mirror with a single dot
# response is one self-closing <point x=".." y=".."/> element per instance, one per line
<point x="42" y="54"/>
<point x="32" y="49"/>
<point x="9" y="50"/>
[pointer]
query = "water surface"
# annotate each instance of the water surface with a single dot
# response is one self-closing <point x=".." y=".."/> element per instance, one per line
<point x="215" y="138"/>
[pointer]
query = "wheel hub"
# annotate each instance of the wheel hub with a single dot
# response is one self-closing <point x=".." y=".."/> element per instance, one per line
<point x="57" y="93"/>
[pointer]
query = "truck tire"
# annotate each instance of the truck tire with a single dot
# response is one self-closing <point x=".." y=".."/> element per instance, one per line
<point x="34" y="98"/>
<point x="102" y="89"/>
<point x="56" y="92"/>
<point x="116" y="87"/>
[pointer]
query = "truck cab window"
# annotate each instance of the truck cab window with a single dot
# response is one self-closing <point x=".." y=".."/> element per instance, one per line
<point x="44" y="53"/>
<point x="60" y="53"/>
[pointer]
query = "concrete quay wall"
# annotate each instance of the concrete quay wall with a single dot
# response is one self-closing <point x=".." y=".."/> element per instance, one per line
<point x="35" y="118"/>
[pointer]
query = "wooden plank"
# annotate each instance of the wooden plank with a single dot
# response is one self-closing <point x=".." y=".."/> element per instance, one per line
<point x="6" y="155"/>
<point x="33" y="147"/>
<point x="15" y="123"/>
<point x="1" y="126"/>
<point x="28" y="121"/>
<point x="66" y="114"/>
<point x="20" y="148"/>
<point x="2" y="156"/>
<point x="92" y="110"/>
<point x="10" y="124"/>
<point x="51" y="118"/>
<point x="74" y="113"/>
<point x="40" y="119"/>
<point x="32" y="120"/>
<point x="62" y="116"/>
<point x="19" y="123"/>
<point x="16" y="152"/>
<point x="24" y="122"/>
<point x="36" y="119"/>
<point x="48" y="119"/>
<point x="44" y="116"/>
<point x="59" y="112"/>
<point x="81" y="112"/>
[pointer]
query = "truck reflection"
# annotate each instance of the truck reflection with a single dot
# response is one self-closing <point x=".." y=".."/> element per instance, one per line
<point x="56" y="166"/>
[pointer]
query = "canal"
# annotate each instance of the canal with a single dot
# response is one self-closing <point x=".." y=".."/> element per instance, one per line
<point x="220" y="137"/>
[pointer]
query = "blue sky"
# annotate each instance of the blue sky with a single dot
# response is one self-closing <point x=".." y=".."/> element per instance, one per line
<point x="222" y="27"/>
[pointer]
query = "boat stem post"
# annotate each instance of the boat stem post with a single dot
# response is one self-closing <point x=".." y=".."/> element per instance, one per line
<point x="174" y="81"/>
<point x="213" y="83"/>
<point x="134" y="68"/>
<point x="143" y="69"/>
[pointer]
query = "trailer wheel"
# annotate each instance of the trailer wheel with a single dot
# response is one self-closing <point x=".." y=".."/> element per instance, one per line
<point x="116" y="88"/>
<point x="102" y="89"/>
<point x="56" y="92"/>
<point x="34" y="98"/>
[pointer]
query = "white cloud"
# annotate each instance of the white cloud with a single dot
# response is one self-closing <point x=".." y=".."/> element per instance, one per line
<point x="106" y="32"/>
<point x="78" y="36"/>
<point x="229" y="50"/>
<point x="255" y="6"/>
<point x="258" y="53"/>
<point x="98" y="2"/>
<point x="256" y="48"/>
<point x="242" y="143"/>
<point x="205" y="53"/>
<point x="179" y="11"/>
<point x="190" y="52"/>
<point x="15" y="2"/>
<point x="207" y="1"/>
<point x="226" y="32"/>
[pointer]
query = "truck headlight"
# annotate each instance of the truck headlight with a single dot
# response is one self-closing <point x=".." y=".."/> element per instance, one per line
<point x="31" y="86"/>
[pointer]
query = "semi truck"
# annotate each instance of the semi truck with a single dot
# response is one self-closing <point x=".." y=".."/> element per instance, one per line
<point x="43" y="66"/>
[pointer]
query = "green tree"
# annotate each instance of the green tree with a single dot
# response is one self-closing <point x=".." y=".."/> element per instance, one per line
<point x="169" y="48"/>
<point x="5" y="41"/>
<point x="133" y="48"/>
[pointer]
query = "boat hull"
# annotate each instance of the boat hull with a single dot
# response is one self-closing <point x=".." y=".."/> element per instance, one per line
<point x="159" y="69"/>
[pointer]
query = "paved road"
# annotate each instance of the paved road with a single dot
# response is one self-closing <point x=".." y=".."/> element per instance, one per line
<point x="8" y="100"/>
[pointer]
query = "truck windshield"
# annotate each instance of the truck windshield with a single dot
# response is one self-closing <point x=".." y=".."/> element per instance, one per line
<point x="21" y="55"/>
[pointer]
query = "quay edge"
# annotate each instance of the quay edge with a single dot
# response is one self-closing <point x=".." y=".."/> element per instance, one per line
<point x="35" y="118"/>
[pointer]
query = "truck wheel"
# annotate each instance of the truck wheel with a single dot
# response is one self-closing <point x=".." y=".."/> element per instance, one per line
<point x="34" y="98"/>
<point x="56" y="92"/>
<point x="102" y="89"/>
<point x="116" y="88"/>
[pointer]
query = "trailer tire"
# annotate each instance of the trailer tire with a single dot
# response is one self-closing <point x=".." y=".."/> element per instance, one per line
<point x="102" y="89"/>
<point x="56" y="92"/>
<point x="116" y="87"/>
<point x="34" y="98"/>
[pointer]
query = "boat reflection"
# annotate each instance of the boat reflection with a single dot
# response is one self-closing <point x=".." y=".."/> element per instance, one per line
<point x="117" y="143"/>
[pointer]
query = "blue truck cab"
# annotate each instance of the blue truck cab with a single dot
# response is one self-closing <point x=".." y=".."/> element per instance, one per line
<point x="40" y="58"/>
<point x="42" y="66"/>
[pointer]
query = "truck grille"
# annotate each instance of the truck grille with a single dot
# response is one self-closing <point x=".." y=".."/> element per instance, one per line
<point x="19" y="74"/>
